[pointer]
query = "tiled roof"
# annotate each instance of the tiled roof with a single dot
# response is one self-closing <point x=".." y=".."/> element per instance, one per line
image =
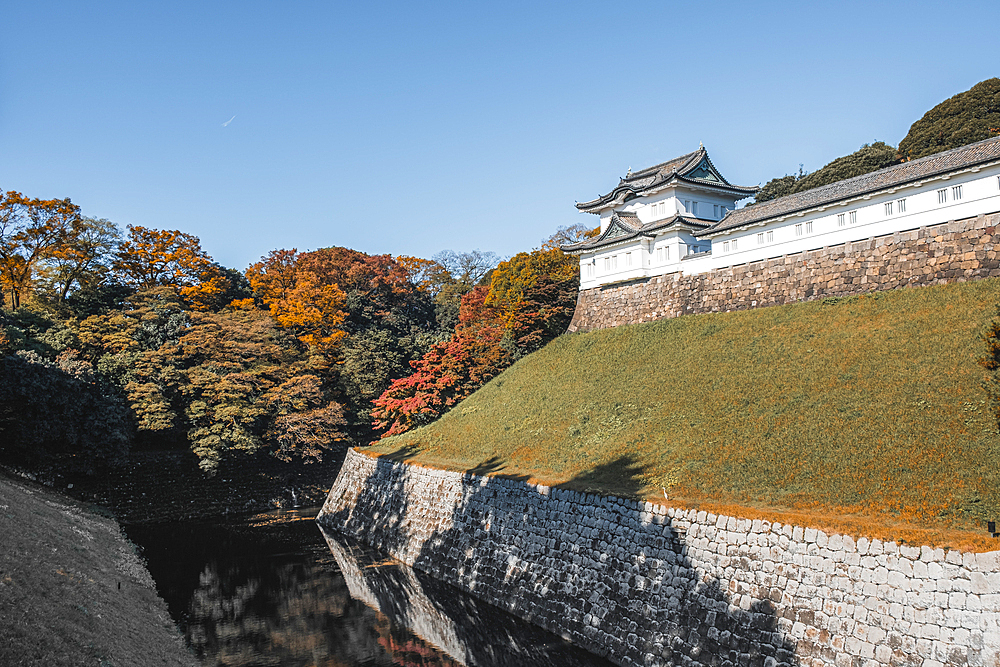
<point x="625" y="226"/>
<point x="895" y="176"/>
<point x="639" y="182"/>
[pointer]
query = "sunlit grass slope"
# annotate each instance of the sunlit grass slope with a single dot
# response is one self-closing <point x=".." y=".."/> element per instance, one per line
<point x="871" y="407"/>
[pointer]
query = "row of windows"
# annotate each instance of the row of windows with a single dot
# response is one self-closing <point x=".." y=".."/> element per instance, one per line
<point x="658" y="209"/>
<point x="851" y="215"/>
<point x="843" y="219"/>
<point x="900" y="206"/>
<point x="956" y="194"/>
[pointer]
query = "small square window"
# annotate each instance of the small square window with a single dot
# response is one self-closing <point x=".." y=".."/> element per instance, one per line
<point x="760" y="238"/>
<point x="852" y="217"/>
<point x="901" y="206"/>
<point x="888" y="208"/>
<point x="798" y="229"/>
<point x="956" y="192"/>
<point x="840" y="220"/>
<point x="942" y="195"/>
<point x="770" y="236"/>
<point x="809" y="227"/>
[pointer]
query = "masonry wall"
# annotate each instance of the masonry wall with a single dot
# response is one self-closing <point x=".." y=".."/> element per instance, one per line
<point x="949" y="252"/>
<point x="645" y="584"/>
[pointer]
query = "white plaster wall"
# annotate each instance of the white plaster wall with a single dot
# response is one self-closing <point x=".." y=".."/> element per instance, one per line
<point x="981" y="195"/>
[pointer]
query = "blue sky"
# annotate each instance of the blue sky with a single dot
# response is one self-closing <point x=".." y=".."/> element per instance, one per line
<point x="408" y="128"/>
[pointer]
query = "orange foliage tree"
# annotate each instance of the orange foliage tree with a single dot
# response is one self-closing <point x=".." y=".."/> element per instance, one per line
<point x="83" y="257"/>
<point x="151" y="258"/>
<point x="160" y="257"/>
<point x="30" y="230"/>
<point x="530" y="300"/>
<point x="299" y="300"/>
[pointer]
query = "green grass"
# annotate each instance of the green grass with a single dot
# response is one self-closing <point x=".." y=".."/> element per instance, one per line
<point x="871" y="406"/>
<point x="72" y="592"/>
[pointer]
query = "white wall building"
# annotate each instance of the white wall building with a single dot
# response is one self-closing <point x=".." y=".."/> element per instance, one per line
<point x="681" y="215"/>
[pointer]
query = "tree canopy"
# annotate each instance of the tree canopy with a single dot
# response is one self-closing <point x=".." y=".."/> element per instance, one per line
<point x="868" y="158"/>
<point x="962" y="119"/>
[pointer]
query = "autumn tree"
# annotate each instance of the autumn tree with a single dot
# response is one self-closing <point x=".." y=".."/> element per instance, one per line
<point x="427" y="275"/>
<point x="83" y="258"/>
<point x="30" y="230"/>
<point x="371" y="314"/>
<point x="464" y="270"/>
<point x="231" y="382"/>
<point x="299" y="301"/>
<point x="448" y="372"/>
<point x="529" y="301"/>
<point x="150" y="258"/>
<point x="571" y="234"/>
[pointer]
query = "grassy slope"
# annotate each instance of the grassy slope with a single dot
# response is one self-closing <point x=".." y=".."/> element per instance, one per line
<point x="60" y="601"/>
<point x="863" y="414"/>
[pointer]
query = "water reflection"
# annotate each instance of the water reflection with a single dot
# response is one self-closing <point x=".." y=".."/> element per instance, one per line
<point x="277" y="591"/>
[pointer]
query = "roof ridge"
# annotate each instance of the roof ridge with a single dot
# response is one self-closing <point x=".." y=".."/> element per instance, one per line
<point x="657" y="167"/>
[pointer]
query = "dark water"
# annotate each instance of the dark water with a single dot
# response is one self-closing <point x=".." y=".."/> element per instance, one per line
<point x="276" y="590"/>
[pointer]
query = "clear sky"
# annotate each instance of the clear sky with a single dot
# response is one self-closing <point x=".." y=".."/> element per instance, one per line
<point x="408" y="128"/>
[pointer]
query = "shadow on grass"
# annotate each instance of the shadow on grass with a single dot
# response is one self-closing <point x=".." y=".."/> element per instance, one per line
<point x="624" y="474"/>
<point x="402" y="454"/>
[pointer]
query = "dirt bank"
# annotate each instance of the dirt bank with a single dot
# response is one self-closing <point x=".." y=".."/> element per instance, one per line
<point x="72" y="591"/>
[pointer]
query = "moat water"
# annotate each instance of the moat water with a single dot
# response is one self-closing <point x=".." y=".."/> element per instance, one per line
<point x="274" y="589"/>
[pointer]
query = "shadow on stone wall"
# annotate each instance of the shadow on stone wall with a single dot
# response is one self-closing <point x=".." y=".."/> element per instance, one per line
<point x="470" y="631"/>
<point x="601" y="571"/>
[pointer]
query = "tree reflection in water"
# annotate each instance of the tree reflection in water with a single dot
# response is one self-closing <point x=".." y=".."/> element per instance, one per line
<point x="273" y="592"/>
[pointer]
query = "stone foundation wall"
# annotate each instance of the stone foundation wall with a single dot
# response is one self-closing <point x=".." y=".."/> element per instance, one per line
<point x="949" y="252"/>
<point x="645" y="584"/>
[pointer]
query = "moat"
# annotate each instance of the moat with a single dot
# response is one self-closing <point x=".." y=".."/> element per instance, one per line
<point x="274" y="589"/>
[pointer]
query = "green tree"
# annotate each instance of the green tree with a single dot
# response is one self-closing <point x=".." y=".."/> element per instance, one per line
<point x="966" y="118"/>
<point x="868" y="158"/>
<point x="83" y="258"/>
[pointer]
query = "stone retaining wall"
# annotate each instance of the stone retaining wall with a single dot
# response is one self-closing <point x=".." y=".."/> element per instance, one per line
<point x="949" y="252"/>
<point x="645" y="584"/>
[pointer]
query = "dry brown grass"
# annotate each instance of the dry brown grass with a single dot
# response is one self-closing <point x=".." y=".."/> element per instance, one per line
<point x="865" y="412"/>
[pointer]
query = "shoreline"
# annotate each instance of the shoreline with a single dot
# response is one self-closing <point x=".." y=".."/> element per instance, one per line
<point x="73" y="590"/>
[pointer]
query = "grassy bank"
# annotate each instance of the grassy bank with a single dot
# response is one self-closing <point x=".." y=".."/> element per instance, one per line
<point x="865" y="414"/>
<point x="72" y="591"/>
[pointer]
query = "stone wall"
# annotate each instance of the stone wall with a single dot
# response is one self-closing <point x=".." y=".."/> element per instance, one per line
<point x="949" y="252"/>
<point x="470" y="631"/>
<point x="645" y="584"/>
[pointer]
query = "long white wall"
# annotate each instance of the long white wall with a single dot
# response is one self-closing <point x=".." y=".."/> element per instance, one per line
<point x="818" y="228"/>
